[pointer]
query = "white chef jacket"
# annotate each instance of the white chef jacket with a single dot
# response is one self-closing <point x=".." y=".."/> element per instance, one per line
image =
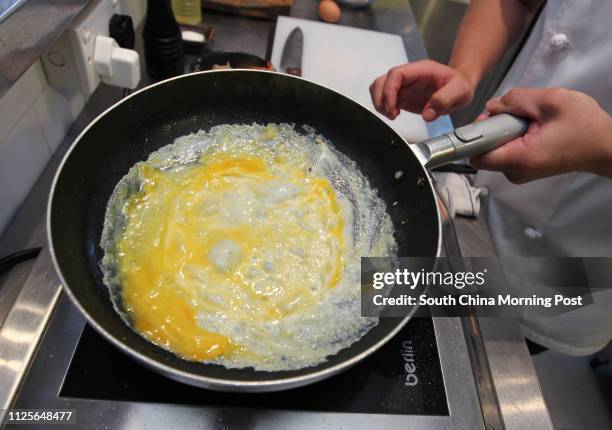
<point x="566" y="215"/>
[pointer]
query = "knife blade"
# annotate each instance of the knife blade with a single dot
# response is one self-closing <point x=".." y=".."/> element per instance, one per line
<point x="291" y="58"/>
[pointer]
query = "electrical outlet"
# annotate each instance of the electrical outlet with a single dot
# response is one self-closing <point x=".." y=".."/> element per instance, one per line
<point x="91" y="22"/>
<point x="62" y="75"/>
<point x="59" y="65"/>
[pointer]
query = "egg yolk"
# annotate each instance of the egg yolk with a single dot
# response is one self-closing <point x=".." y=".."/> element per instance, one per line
<point x="232" y="239"/>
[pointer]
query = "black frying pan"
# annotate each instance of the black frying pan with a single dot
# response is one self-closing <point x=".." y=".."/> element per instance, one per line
<point x="236" y="60"/>
<point x="149" y="119"/>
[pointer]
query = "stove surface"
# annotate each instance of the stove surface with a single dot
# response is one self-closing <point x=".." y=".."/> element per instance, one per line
<point x="403" y="377"/>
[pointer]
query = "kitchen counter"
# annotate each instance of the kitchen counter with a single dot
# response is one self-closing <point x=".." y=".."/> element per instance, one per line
<point x="27" y="29"/>
<point x="508" y="388"/>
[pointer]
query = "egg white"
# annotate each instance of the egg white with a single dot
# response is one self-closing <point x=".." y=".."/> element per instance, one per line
<point x="314" y="319"/>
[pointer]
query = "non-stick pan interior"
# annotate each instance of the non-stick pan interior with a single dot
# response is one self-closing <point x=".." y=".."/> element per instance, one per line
<point x="153" y="118"/>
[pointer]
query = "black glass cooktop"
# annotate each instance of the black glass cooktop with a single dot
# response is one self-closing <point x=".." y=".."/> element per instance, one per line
<point x="403" y="377"/>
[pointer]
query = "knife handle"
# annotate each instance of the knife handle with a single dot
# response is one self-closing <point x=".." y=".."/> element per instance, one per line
<point x="295" y="71"/>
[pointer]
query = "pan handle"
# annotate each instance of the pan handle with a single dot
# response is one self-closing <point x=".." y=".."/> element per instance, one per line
<point x="472" y="139"/>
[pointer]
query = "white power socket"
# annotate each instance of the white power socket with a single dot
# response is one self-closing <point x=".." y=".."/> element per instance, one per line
<point x="75" y="66"/>
<point x="91" y="23"/>
<point x="62" y="75"/>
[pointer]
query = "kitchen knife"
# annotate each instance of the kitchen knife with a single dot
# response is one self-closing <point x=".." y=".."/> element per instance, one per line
<point x="291" y="59"/>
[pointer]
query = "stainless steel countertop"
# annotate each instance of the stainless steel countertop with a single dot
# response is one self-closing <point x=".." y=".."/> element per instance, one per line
<point x="516" y="390"/>
<point x="28" y="30"/>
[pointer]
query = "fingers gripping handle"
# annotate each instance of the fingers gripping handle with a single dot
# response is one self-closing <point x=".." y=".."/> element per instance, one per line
<point x="472" y="139"/>
<point x="480" y="137"/>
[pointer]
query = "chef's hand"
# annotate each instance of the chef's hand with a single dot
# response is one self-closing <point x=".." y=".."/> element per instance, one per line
<point x="425" y="87"/>
<point x="569" y="131"/>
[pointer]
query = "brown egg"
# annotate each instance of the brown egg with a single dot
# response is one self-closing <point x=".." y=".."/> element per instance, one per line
<point x="329" y="11"/>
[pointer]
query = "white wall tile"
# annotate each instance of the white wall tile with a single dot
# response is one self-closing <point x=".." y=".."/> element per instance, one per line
<point x="34" y="119"/>
<point x="54" y="114"/>
<point x="18" y="99"/>
<point x="135" y="8"/>
<point x="23" y="156"/>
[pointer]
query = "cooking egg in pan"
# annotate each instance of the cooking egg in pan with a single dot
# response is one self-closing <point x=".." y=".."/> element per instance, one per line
<point x="241" y="246"/>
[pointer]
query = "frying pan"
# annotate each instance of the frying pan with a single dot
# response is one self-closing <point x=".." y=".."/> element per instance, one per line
<point x="236" y="60"/>
<point x="153" y="117"/>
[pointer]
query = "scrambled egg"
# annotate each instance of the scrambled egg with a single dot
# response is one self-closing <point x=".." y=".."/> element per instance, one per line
<point x="230" y="246"/>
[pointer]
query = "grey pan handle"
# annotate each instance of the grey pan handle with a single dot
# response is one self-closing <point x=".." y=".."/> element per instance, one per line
<point x="472" y="139"/>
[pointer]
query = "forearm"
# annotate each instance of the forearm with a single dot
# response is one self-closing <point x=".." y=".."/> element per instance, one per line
<point x="487" y="29"/>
